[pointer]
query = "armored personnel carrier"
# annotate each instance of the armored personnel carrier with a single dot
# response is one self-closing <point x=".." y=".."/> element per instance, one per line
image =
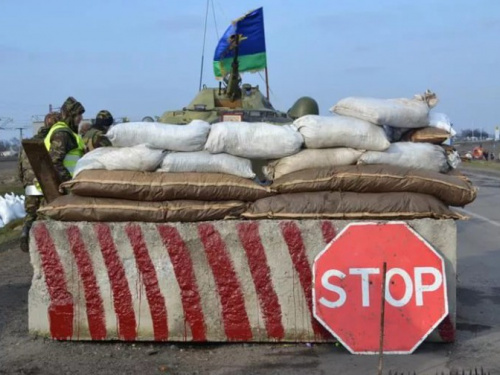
<point x="232" y="100"/>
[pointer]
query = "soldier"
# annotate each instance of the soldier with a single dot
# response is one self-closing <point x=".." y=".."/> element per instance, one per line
<point x="96" y="136"/>
<point x="64" y="144"/>
<point x="33" y="194"/>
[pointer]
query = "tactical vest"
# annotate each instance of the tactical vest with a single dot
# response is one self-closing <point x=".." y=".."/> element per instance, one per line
<point x="73" y="155"/>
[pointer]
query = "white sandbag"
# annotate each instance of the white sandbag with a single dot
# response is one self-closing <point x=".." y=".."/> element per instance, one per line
<point x="17" y="207"/>
<point x="255" y="140"/>
<point x="441" y="121"/>
<point x="410" y="155"/>
<point x="454" y="159"/>
<point x="341" y="131"/>
<point x="400" y="113"/>
<point x="311" y="158"/>
<point x="203" y="161"/>
<point x="136" y="158"/>
<point x="7" y="214"/>
<point x="190" y="137"/>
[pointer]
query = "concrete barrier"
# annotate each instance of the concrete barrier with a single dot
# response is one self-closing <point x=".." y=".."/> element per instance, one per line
<point x="211" y="281"/>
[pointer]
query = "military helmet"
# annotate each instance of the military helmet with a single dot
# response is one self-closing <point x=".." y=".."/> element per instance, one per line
<point x="104" y="118"/>
<point x="71" y="107"/>
<point x="303" y="106"/>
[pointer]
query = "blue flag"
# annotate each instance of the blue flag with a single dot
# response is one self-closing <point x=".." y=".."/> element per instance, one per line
<point x="249" y="30"/>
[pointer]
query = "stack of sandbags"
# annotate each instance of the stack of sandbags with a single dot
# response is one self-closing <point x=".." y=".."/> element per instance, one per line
<point x="102" y="195"/>
<point x="405" y="120"/>
<point x="364" y="192"/>
<point x="189" y="184"/>
<point x="329" y="141"/>
<point x="340" y="166"/>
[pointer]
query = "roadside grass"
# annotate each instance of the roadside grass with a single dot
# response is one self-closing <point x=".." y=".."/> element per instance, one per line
<point x="482" y="164"/>
<point x="11" y="231"/>
<point x="11" y="188"/>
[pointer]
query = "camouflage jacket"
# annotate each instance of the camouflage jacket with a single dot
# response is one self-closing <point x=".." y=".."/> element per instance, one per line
<point x="95" y="138"/>
<point x="25" y="172"/>
<point x="61" y="142"/>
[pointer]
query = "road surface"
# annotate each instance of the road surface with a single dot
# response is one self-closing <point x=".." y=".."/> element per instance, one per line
<point x="478" y="338"/>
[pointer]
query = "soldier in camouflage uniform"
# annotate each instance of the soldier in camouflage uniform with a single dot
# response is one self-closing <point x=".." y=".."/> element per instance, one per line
<point x="96" y="136"/>
<point x="27" y="177"/>
<point x="64" y="144"/>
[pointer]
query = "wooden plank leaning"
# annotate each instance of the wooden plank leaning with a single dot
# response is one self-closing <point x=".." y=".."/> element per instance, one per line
<point x="43" y="168"/>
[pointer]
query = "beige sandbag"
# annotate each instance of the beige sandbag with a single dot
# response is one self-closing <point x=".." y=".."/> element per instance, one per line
<point x="400" y="113"/>
<point x="310" y="158"/>
<point x="341" y="131"/>
<point x="163" y="186"/>
<point x="75" y="208"/>
<point x="338" y="205"/>
<point x="426" y="135"/>
<point x="408" y="154"/>
<point x="453" y="189"/>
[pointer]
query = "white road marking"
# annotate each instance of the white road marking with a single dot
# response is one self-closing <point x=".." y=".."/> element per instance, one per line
<point x="480" y="217"/>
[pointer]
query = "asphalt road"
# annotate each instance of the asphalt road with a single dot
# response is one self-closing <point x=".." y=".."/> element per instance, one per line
<point x="477" y="345"/>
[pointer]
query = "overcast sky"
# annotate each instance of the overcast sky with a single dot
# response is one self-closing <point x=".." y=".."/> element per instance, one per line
<point x="138" y="58"/>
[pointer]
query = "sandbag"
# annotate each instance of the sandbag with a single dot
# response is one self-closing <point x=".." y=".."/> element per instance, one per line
<point x="75" y="208"/>
<point x="136" y="158"/>
<point x="7" y="214"/>
<point x="411" y="155"/>
<point x="256" y="140"/>
<point x="400" y="113"/>
<point x="426" y="135"/>
<point x="441" y="121"/>
<point x="311" y="158"/>
<point x="203" y="161"/>
<point x="163" y="186"/>
<point x="11" y="207"/>
<point x="341" y="131"/>
<point x="453" y="189"/>
<point x="190" y="137"/>
<point x="339" y="205"/>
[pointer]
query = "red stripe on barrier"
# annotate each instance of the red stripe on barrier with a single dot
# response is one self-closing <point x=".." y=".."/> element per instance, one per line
<point x="261" y="274"/>
<point x="328" y="231"/>
<point x="293" y="238"/>
<point x="93" y="299"/>
<point x="184" y="273"/>
<point x="146" y="268"/>
<point x="61" y="309"/>
<point x="446" y="330"/>
<point x="122" y="298"/>
<point x="234" y="314"/>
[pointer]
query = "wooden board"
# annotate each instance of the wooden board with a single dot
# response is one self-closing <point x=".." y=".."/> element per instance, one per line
<point x="43" y="168"/>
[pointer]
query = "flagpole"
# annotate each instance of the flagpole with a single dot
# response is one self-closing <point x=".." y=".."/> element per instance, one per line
<point x="267" y="85"/>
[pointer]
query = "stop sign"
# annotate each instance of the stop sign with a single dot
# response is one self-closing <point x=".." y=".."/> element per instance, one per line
<point x="347" y="292"/>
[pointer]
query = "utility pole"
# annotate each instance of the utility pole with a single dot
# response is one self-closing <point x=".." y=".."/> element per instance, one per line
<point x="20" y="133"/>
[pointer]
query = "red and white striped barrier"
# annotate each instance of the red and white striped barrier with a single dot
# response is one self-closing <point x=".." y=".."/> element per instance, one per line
<point x="212" y="281"/>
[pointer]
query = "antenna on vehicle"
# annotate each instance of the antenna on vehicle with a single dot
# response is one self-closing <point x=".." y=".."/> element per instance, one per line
<point x="203" y="49"/>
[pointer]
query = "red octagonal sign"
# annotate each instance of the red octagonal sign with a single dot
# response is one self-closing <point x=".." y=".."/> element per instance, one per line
<point x="347" y="291"/>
